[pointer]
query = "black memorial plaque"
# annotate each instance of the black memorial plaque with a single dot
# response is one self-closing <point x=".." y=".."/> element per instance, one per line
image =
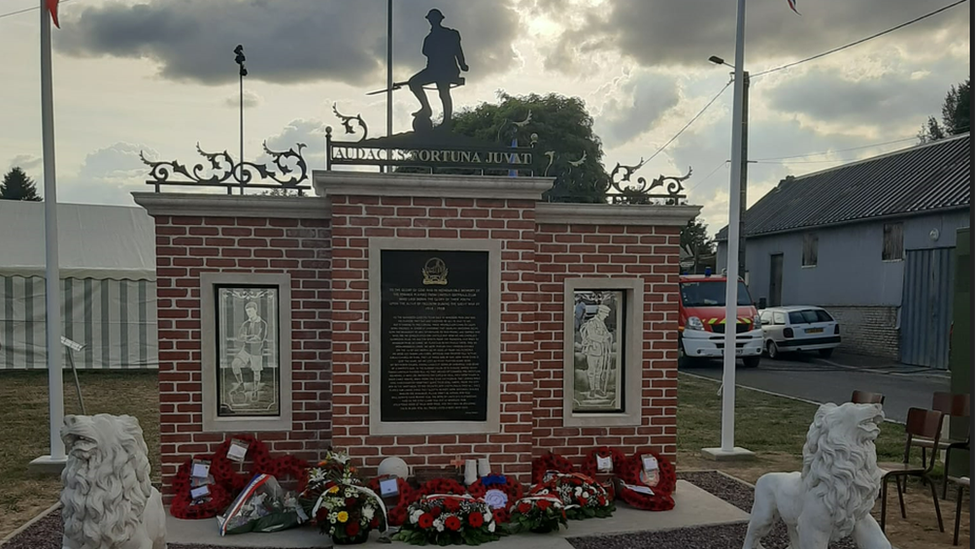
<point x="434" y="335"/>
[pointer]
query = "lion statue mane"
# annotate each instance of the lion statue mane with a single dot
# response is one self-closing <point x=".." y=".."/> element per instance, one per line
<point x="107" y="501"/>
<point x="833" y="496"/>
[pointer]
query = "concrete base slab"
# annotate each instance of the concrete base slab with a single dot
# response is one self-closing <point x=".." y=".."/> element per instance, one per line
<point x="693" y="507"/>
<point x="45" y="465"/>
<point x="736" y="454"/>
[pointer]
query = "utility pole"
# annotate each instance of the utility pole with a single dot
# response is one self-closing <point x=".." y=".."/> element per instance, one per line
<point x="744" y="176"/>
<point x="239" y="50"/>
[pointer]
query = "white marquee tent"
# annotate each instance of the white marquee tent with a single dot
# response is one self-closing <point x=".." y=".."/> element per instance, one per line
<point x="108" y="280"/>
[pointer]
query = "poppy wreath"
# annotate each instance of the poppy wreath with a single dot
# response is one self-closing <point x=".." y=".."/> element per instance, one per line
<point x="581" y="496"/>
<point x="182" y="506"/>
<point x="397" y="514"/>
<point x="538" y="514"/>
<point x="440" y="486"/>
<point x="499" y="492"/>
<point x="448" y="519"/>
<point x="550" y="462"/>
<point x="224" y="471"/>
<point x="630" y="474"/>
<point x="589" y="467"/>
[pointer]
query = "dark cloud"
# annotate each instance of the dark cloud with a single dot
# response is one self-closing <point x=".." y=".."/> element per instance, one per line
<point x="687" y="33"/>
<point x="892" y="102"/>
<point x="636" y="104"/>
<point x="294" y="41"/>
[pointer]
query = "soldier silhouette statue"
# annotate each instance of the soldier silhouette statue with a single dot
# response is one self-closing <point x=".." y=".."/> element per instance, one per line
<point x="445" y="61"/>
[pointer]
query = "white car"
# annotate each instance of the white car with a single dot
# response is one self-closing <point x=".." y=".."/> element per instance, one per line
<point x="799" y="328"/>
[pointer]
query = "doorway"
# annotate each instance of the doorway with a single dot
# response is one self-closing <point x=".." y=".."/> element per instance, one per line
<point x="775" y="280"/>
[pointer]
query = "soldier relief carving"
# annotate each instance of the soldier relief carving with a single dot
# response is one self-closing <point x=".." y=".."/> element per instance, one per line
<point x="598" y="360"/>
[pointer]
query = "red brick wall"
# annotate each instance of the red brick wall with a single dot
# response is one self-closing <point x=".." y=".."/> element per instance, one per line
<point x="591" y="251"/>
<point x="356" y="219"/>
<point x="187" y="246"/>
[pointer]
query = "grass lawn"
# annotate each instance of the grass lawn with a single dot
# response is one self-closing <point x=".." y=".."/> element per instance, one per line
<point x="773" y="427"/>
<point x="24" y="417"/>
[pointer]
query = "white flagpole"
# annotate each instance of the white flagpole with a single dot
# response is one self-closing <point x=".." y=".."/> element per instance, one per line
<point x="52" y="272"/>
<point x="732" y="269"/>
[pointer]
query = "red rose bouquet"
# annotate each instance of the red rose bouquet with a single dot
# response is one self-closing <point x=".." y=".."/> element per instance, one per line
<point x="582" y="497"/>
<point x="540" y="514"/>
<point x="448" y="519"/>
<point x="499" y="492"/>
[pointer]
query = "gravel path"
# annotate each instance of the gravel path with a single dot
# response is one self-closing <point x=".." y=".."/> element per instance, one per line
<point x="46" y="533"/>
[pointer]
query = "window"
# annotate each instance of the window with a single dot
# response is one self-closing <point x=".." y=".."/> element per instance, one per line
<point x="766" y="318"/>
<point x="779" y="319"/>
<point x="810" y="242"/>
<point x="711" y="294"/>
<point x="894" y="242"/>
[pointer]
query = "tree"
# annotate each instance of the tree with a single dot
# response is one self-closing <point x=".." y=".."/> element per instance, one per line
<point x="696" y="242"/>
<point x="17" y="186"/>
<point x="956" y="114"/>
<point x="563" y="127"/>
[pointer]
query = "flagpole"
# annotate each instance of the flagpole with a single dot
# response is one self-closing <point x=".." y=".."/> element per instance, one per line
<point x="52" y="271"/>
<point x="732" y="269"/>
<point x="389" y="68"/>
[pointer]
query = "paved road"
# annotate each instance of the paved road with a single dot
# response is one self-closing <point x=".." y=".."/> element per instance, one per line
<point x="819" y="380"/>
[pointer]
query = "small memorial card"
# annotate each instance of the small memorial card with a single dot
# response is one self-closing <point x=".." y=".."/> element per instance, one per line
<point x="238" y="450"/>
<point x="200" y="492"/>
<point x="650" y="463"/>
<point x="604" y="464"/>
<point x="389" y="488"/>
<point x="201" y="469"/>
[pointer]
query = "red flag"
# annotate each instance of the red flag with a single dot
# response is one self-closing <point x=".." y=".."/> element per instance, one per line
<point x="52" y="6"/>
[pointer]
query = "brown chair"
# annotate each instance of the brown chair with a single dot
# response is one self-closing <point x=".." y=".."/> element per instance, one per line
<point x="963" y="484"/>
<point x="921" y="423"/>
<point x="951" y="405"/>
<point x="864" y="397"/>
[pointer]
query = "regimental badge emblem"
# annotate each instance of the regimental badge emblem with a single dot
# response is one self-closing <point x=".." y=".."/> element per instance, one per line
<point x="435" y="272"/>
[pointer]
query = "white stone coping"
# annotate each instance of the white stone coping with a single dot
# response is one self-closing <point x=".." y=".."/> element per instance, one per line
<point x="330" y="183"/>
<point x="224" y="205"/>
<point x="646" y="215"/>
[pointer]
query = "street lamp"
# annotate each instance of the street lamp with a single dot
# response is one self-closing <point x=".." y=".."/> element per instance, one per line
<point x="745" y="163"/>
<point x="239" y="59"/>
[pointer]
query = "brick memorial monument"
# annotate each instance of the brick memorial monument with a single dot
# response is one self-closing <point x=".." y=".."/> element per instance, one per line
<point x="425" y="316"/>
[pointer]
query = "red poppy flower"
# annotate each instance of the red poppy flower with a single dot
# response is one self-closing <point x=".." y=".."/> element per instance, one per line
<point x="543" y="504"/>
<point x="435" y="512"/>
<point x="452" y="505"/>
<point x="426" y="520"/>
<point x="501" y="515"/>
<point x="602" y="501"/>
<point x="524" y="507"/>
<point x="375" y="523"/>
<point x="476" y="520"/>
<point x="350" y="502"/>
<point x="352" y="528"/>
<point x="581" y="501"/>
<point x="452" y="523"/>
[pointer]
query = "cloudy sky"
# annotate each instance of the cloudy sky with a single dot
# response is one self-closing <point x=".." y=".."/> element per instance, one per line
<point x="159" y="76"/>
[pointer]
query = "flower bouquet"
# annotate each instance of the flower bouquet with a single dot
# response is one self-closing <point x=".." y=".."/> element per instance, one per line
<point x="348" y="512"/>
<point x="540" y="514"/>
<point x="336" y="468"/>
<point x="263" y="506"/>
<point x="582" y="497"/>
<point x="447" y="519"/>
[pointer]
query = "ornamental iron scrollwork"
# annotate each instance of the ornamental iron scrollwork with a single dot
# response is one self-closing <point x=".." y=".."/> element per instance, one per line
<point x="288" y="169"/>
<point x="347" y="122"/>
<point x="626" y="190"/>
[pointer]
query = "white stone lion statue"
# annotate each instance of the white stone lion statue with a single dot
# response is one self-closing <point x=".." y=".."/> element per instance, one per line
<point x="832" y="498"/>
<point x="107" y="501"/>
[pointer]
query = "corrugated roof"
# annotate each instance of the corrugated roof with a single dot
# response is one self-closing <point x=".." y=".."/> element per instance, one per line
<point x="931" y="177"/>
